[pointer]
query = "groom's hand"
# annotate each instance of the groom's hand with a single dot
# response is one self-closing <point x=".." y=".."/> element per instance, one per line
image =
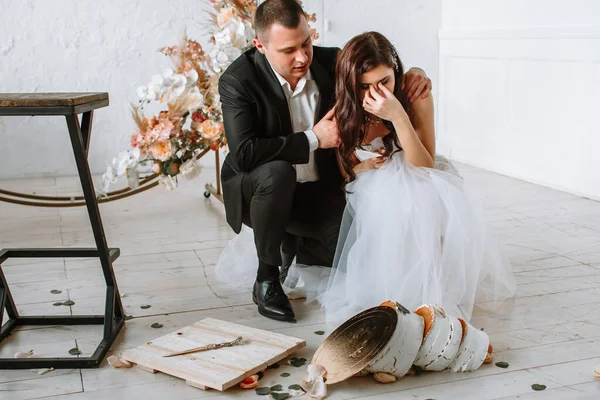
<point x="326" y="131"/>
<point x="416" y="84"/>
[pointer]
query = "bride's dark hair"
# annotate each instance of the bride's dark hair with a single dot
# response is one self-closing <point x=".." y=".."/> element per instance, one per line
<point x="361" y="54"/>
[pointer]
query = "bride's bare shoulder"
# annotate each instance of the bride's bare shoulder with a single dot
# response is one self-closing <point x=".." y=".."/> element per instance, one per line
<point x="422" y="105"/>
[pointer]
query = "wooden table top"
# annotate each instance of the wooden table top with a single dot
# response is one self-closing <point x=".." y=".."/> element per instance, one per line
<point x="49" y="99"/>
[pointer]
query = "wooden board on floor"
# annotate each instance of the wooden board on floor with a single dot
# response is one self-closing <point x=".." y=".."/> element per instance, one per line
<point x="220" y="368"/>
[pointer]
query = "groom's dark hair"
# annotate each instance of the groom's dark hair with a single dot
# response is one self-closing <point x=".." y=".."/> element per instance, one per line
<point x="287" y="13"/>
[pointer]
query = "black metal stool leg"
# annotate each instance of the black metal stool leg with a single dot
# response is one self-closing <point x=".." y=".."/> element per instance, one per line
<point x="80" y="145"/>
<point x="6" y="302"/>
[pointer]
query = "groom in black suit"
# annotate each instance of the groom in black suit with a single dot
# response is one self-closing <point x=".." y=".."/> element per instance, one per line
<point x="281" y="176"/>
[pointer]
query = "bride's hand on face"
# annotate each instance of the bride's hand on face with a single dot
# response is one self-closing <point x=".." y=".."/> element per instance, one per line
<point x="383" y="104"/>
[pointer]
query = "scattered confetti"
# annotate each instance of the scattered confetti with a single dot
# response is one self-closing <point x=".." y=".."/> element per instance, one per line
<point x="263" y="391"/>
<point x="74" y="351"/>
<point x="297" y="362"/>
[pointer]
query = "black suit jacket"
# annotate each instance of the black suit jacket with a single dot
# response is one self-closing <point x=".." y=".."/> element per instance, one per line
<point x="258" y="126"/>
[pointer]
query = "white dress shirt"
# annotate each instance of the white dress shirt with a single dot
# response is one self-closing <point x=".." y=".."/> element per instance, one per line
<point x="302" y="104"/>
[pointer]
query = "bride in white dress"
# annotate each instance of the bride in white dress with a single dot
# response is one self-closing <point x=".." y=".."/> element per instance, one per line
<point x="411" y="231"/>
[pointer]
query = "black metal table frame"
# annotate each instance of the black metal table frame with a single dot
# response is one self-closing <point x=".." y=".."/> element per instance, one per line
<point x="114" y="317"/>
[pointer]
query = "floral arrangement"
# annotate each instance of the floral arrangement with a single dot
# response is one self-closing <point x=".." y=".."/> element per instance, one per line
<point x="170" y="143"/>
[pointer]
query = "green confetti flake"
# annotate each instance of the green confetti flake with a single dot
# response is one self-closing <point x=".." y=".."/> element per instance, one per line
<point x="74" y="351"/>
<point x="263" y="391"/>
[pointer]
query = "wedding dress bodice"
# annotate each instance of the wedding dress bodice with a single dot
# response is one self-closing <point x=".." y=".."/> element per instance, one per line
<point x="366" y="151"/>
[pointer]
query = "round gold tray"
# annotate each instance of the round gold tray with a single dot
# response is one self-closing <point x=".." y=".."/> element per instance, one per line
<point x="354" y="344"/>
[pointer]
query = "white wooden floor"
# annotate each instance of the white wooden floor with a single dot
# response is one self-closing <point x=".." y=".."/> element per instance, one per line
<point x="549" y="333"/>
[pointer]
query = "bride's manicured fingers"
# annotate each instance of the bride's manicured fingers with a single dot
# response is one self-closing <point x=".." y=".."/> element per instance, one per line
<point x="369" y="99"/>
<point x="375" y="94"/>
<point x="385" y="90"/>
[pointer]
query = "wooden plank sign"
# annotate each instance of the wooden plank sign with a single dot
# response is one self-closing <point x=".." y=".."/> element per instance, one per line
<point x="220" y="368"/>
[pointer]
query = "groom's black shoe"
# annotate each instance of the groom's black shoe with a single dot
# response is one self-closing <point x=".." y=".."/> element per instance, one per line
<point x="272" y="301"/>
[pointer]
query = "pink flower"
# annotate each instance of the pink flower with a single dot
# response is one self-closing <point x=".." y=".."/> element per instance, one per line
<point x="137" y="139"/>
<point x="198" y="117"/>
<point x="161" y="131"/>
<point x="211" y="130"/>
<point x="162" y="150"/>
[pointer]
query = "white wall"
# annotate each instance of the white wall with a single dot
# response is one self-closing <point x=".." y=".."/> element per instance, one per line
<point x="82" y="45"/>
<point x="412" y="26"/>
<point x="110" y="45"/>
<point x="520" y="89"/>
<point x="517" y="81"/>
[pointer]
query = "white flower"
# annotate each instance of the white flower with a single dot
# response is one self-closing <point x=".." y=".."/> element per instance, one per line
<point x="223" y="38"/>
<point x="190" y="169"/>
<point x="197" y="95"/>
<point x="224" y="15"/>
<point x="207" y="66"/>
<point x="154" y="92"/>
<point x="133" y="178"/>
<point x="108" y="178"/>
<point x="314" y="383"/>
<point x="236" y="32"/>
<point x="168" y="182"/>
<point x="157" y="80"/>
<point x="167" y="73"/>
<point x="177" y="85"/>
<point x="234" y="38"/>
<point x="145" y="93"/>
<point x="296" y="393"/>
<point x="125" y="160"/>
<point x="222" y="57"/>
<point x="192" y="76"/>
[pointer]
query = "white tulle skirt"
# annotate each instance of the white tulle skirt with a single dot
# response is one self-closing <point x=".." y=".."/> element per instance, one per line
<point x="408" y="234"/>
